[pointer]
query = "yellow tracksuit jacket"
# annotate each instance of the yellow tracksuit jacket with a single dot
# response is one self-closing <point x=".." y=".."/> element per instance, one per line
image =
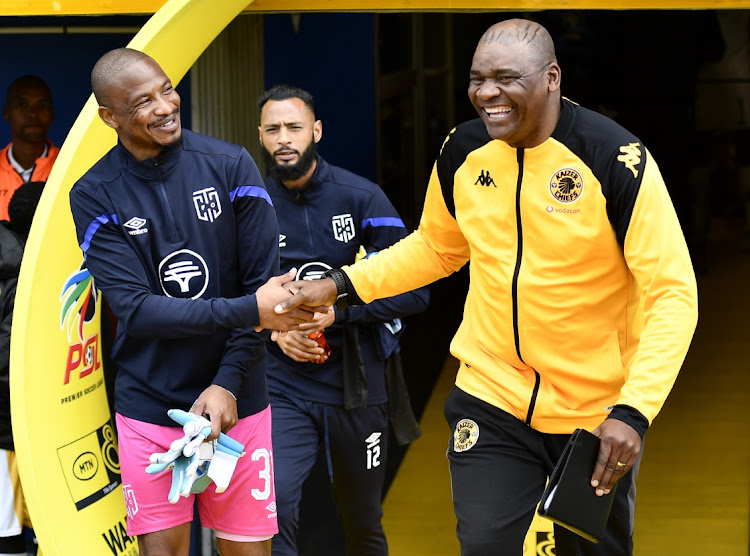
<point x="582" y="294"/>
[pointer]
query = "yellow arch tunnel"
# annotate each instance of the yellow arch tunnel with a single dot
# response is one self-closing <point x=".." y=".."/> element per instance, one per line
<point x="60" y="412"/>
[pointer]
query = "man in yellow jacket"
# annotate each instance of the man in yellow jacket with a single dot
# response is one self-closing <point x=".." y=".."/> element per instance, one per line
<point x="30" y="155"/>
<point x="582" y="301"/>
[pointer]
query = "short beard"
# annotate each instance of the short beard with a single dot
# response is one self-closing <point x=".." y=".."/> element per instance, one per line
<point x="291" y="172"/>
<point x="164" y="147"/>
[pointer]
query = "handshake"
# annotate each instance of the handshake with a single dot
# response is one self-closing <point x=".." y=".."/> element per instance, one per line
<point x="284" y="303"/>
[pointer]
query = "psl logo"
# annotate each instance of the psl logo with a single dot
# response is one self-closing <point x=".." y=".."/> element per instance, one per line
<point x="83" y="356"/>
<point x="78" y="299"/>
<point x="207" y="204"/>
<point x="343" y="227"/>
<point x="631" y="157"/>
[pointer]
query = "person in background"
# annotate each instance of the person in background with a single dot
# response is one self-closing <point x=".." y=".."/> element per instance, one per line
<point x="338" y="400"/>
<point x="30" y="155"/>
<point x="582" y="302"/>
<point x="14" y="515"/>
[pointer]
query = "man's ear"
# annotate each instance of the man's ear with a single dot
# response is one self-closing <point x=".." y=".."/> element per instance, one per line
<point x="554" y="75"/>
<point x="107" y="117"/>
<point x="317" y="131"/>
<point x="260" y="136"/>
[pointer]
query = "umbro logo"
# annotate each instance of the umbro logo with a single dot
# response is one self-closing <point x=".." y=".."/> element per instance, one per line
<point x="485" y="179"/>
<point x="135" y="226"/>
<point x="271" y="508"/>
<point x="282" y="240"/>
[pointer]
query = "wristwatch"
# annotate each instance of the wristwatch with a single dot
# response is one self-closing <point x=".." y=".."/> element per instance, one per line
<point x="341" y="291"/>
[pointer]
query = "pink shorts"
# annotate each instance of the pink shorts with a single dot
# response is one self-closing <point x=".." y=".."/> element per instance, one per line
<point x="244" y="512"/>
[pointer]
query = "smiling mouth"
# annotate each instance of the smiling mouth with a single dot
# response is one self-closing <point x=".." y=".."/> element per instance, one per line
<point x="497" y="113"/>
<point x="166" y="122"/>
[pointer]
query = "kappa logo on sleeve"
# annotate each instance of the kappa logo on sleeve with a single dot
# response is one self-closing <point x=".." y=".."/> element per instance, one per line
<point x="631" y="157"/>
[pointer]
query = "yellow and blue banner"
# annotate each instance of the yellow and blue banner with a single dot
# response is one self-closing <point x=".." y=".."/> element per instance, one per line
<point x="64" y="435"/>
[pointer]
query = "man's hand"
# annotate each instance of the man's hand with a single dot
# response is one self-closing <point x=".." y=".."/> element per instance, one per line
<point x="308" y="293"/>
<point x="220" y="406"/>
<point x="270" y="294"/>
<point x="618" y="451"/>
<point x="298" y="346"/>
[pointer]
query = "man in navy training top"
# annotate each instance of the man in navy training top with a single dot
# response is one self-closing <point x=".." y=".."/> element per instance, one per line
<point x="180" y="236"/>
<point x="325" y="215"/>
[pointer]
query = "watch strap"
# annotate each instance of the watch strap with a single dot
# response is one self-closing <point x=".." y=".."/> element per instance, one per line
<point x="342" y="292"/>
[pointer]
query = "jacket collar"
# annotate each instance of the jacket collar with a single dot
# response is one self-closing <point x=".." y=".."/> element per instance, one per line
<point x="565" y="123"/>
<point x="155" y="167"/>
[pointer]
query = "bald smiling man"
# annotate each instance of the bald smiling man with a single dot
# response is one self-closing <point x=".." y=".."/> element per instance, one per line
<point x="582" y="302"/>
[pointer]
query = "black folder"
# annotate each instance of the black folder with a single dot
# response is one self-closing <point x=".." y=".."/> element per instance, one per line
<point x="569" y="499"/>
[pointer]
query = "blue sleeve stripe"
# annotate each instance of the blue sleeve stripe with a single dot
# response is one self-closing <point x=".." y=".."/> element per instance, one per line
<point x="383" y="221"/>
<point x="93" y="227"/>
<point x="250" y="191"/>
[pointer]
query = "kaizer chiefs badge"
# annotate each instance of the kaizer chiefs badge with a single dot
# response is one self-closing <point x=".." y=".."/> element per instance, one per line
<point x="465" y="435"/>
<point x="566" y="185"/>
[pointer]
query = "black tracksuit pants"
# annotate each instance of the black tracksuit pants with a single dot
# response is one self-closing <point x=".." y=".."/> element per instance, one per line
<point x="355" y="442"/>
<point x="499" y="467"/>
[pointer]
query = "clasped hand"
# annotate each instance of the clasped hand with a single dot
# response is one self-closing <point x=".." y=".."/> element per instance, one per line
<point x="276" y="292"/>
<point x="297" y="344"/>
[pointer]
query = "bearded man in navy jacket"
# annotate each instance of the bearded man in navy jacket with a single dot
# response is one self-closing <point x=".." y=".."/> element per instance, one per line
<point x="327" y="216"/>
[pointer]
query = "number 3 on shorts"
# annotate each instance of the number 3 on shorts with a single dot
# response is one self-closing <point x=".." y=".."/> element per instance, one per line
<point x="265" y="474"/>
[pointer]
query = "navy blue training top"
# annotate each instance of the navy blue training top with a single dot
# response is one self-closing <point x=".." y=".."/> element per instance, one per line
<point x="322" y="226"/>
<point x="178" y="245"/>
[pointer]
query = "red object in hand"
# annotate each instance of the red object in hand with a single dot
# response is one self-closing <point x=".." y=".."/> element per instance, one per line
<point x="321" y="339"/>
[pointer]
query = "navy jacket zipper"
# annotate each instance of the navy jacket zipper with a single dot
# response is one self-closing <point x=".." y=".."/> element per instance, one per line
<point x="165" y="200"/>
